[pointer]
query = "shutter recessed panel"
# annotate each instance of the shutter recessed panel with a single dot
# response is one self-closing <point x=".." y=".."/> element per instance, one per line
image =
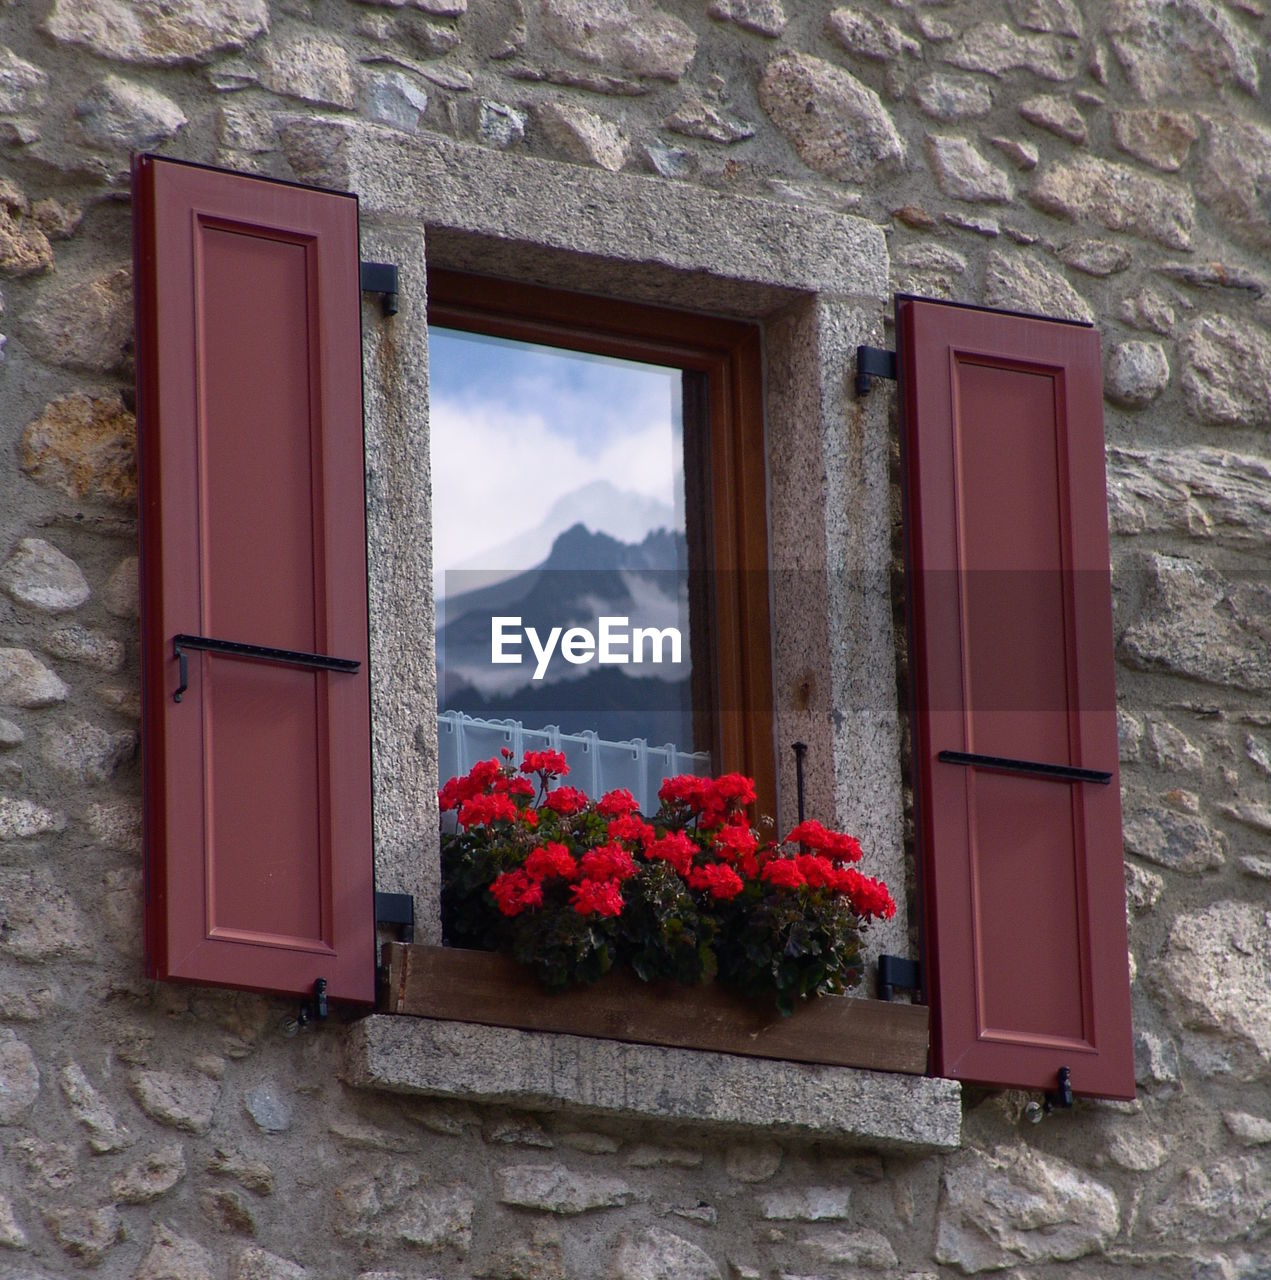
<point x="258" y="802"/>
<point x="1015" y="708"/>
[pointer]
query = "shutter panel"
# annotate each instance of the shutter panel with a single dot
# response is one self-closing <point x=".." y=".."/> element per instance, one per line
<point x="259" y="866"/>
<point x="1012" y="657"/>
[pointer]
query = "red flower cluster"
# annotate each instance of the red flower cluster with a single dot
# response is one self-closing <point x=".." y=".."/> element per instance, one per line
<point x="551" y="764"/>
<point x="712" y="802"/>
<point x="834" y="844"/>
<point x="566" y="801"/>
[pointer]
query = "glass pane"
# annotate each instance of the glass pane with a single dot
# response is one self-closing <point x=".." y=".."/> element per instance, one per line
<point x="561" y="562"/>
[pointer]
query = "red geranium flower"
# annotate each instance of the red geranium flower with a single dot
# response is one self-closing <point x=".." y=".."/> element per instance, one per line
<point x="675" y="848"/>
<point x="596" y="897"/>
<point x="617" y="804"/>
<point x="566" y="801"/>
<point x="515" y="892"/>
<point x="870" y="898"/>
<point x="552" y="860"/>
<point x="478" y="779"/>
<point x="834" y="844"/>
<point x="609" y="862"/>
<point x="784" y="872"/>
<point x="552" y="763"/>
<point x="718" y="880"/>
<point x="631" y="828"/>
<point x="487" y="809"/>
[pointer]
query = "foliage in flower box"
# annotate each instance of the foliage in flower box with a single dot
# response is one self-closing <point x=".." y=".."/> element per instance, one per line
<point x="572" y="887"/>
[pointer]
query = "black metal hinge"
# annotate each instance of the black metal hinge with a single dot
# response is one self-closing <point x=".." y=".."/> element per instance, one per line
<point x="381" y="278"/>
<point x="896" y="971"/>
<point x="396" y="909"/>
<point x="871" y="363"/>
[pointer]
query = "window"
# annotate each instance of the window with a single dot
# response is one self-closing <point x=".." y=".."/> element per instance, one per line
<point x="624" y="514"/>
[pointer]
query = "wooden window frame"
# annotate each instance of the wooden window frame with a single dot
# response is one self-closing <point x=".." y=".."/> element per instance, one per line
<point x="728" y="354"/>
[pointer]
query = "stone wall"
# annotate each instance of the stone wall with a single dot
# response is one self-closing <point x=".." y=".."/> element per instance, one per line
<point x="1110" y="161"/>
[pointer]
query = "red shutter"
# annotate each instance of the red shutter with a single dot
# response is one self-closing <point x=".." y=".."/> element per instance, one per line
<point x="258" y="792"/>
<point x="1012" y="658"/>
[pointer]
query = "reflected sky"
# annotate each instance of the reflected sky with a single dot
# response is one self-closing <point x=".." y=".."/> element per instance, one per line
<point x="527" y="440"/>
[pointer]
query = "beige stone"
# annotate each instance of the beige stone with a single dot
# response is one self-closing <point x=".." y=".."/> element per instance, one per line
<point x="119" y="113"/>
<point x="655" y="1252"/>
<point x="160" y="32"/>
<point x="121" y="591"/>
<point x="1227" y="371"/>
<point x="105" y="1132"/>
<point x="963" y="173"/>
<point x="951" y="98"/>
<point x="1161" y="138"/>
<point x="556" y="1189"/>
<point x="583" y="135"/>
<point x="632" y="37"/>
<point x="1235" y="174"/>
<point x="311" y="69"/>
<point x="1135" y="373"/>
<point x="1018" y="282"/>
<point x="41" y="920"/>
<point x="697" y="118"/>
<point x="995" y="48"/>
<point x="184" y="1101"/>
<point x="22" y="83"/>
<point x="837" y="125"/>
<point x="84" y="445"/>
<point x="87" y="1235"/>
<point x="259" y="1264"/>
<point x="866" y="35"/>
<point x="1059" y="17"/>
<point x="19" y="1079"/>
<point x="26" y="682"/>
<point x="174" y="1257"/>
<point x="1056" y="114"/>
<point x="24" y="247"/>
<point x="766" y="17"/>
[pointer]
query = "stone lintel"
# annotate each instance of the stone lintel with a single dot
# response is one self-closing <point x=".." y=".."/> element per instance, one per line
<point x="505" y="1067"/>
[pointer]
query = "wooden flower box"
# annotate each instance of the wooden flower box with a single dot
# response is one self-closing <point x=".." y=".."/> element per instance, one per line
<point x="485" y="987"/>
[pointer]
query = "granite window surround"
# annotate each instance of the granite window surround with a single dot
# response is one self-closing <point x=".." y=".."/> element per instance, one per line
<point x="816" y="282"/>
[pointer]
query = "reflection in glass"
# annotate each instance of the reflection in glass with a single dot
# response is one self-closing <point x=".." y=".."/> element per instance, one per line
<point x="559" y="498"/>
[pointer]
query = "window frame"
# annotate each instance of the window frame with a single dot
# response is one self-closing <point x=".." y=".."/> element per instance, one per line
<point x="728" y="353"/>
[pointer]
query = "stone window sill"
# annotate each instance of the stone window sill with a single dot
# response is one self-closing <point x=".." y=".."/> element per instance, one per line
<point x="476" y="1050"/>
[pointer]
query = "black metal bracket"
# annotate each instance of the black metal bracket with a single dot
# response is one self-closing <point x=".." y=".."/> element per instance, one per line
<point x="1055" y="772"/>
<point x="381" y="278"/>
<point x="314" y="1010"/>
<point x="896" y="971"/>
<point x="871" y="363"/>
<point x="396" y="909"/>
<point x="1062" y="1096"/>
<point x="256" y="652"/>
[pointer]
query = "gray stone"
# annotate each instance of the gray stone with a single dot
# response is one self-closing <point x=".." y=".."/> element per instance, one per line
<point x="1019" y="1206"/>
<point x="500" y="125"/>
<point x="121" y="590"/>
<point x="11" y="1234"/>
<point x="391" y="1207"/>
<point x="105" y="1132"/>
<point x="120" y="114"/>
<point x="866" y="35"/>
<point x="583" y="135"/>
<point x="1224" y="1201"/>
<point x="867" y="1248"/>
<point x="393" y="98"/>
<point x="1214" y="977"/>
<point x="1217" y="275"/>
<point x="995" y="48"/>
<point x="39" y="920"/>
<point x="1087" y="189"/>
<point x="1136" y="1152"/>
<point x="438" y="8"/>
<point x="19" y="1079"/>
<point x="1155" y="1060"/>
<point x="513" y="1068"/>
<point x="174" y="1257"/>
<point x="22" y="84"/>
<point x="85" y="325"/>
<point x="86" y="446"/>
<point x="1020" y="283"/>
<point x="1023" y="155"/>
<point x="963" y="173"/>
<point x="1259" y="749"/>
<point x="1148" y="310"/>
<point x="632" y="37"/>
<point x="1235" y="175"/>
<point x="255" y="1175"/>
<point x="1257" y="816"/>
<point x="1170" y="48"/>
<point x="1249" y="1131"/>
<point x="24" y="819"/>
<point x="115" y="824"/>
<point x="151" y="1177"/>
<point x="647" y="1156"/>
<point x="1095" y="257"/>
<point x="311" y="69"/>
<point x="1135" y="373"/>
<point x="87" y="1235"/>
<point x="697" y="118"/>
<point x="1257" y="868"/>
<point x="806" y="1204"/>
<point x="1227" y="371"/>
<point x="658" y="1254"/>
<point x="268" y="1107"/>
<point x="950" y="98"/>
<point x="1170" y="748"/>
<point x="48" y="1165"/>
<point x="41" y="577"/>
<point x="555" y="1189"/>
<point x="766" y="17"/>
<point x="258" y="1264"/>
<point x="246" y="129"/>
<point x="837" y="125"/>
<point x="232" y="74"/>
<point x="11" y="735"/>
<point x="183" y="1101"/>
<point x="228" y="1210"/>
<point x="369" y="1137"/>
<point x="1179" y="841"/>
<point x="516" y="1130"/>
<point x="1143" y="888"/>
<point x="1159" y="137"/>
<point x="158" y="32"/>
<point x="26" y="682"/>
<point x="1129" y="736"/>
<point x="752" y="1161"/>
<point x="88" y="752"/>
<point x="930" y="270"/>
<point x="1058" y="115"/>
<point x="87" y="645"/>
<point x="1057" y="17"/>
